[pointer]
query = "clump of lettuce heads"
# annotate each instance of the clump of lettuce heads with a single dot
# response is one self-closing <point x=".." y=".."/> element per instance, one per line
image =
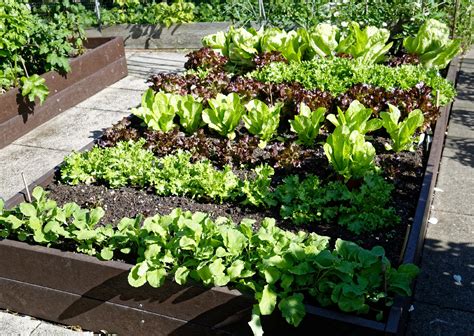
<point x="433" y="45"/>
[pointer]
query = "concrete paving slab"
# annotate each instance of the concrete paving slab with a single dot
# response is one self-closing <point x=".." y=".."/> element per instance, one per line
<point x="431" y="320"/>
<point x="17" y="325"/>
<point x="461" y="160"/>
<point x="458" y="196"/>
<point x="461" y="122"/>
<point x="113" y="99"/>
<point x="47" y="329"/>
<point x="62" y="133"/>
<point x="33" y="161"/>
<point x="448" y="251"/>
<point x="131" y="83"/>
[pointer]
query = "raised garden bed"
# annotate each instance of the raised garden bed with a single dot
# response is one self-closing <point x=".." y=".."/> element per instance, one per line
<point x="147" y="36"/>
<point x="271" y="261"/>
<point x="96" y="294"/>
<point x="102" y="65"/>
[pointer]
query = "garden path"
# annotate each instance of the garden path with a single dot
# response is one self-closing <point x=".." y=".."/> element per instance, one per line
<point x="444" y="294"/>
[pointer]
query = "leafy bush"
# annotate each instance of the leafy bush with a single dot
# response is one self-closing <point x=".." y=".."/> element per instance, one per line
<point x="31" y="46"/>
<point x="367" y="45"/>
<point x="262" y="120"/>
<point x="356" y="118"/>
<point x="224" y="114"/>
<point x="157" y="110"/>
<point x="189" y="110"/>
<point x="433" y="45"/>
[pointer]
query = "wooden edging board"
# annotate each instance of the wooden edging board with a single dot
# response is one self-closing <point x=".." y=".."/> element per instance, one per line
<point x="148" y="36"/>
<point x="76" y="289"/>
<point x="103" y="64"/>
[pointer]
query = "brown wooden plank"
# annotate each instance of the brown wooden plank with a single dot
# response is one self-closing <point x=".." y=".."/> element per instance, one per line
<point x="107" y="281"/>
<point x="19" y="125"/>
<point x="106" y="51"/>
<point x="94" y="315"/>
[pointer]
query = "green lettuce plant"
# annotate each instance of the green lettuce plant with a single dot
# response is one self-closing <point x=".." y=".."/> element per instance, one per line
<point x="307" y="124"/>
<point x="323" y="39"/>
<point x="349" y="154"/>
<point x="433" y="45"/>
<point x="224" y="114"/>
<point x="262" y="120"/>
<point x="368" y="45"/>
<point x="356" y="118"/>
<point x="401" y="132"/>
<point x="243" y="45"/>
<point x="158" y="110"/>
<point x="189" y="110"/>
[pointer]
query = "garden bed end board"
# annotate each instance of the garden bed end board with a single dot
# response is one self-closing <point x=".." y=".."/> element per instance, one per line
<point x="75" y="289"/>
<point x="148" y="36"/>
<point x="103" y="64"/>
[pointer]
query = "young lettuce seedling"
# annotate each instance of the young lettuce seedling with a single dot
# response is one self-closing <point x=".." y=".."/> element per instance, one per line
<point x="157" y="110"/>
<point x="356" y="118"/>
<point x="262" y="120"/>
<point x="349" y="153"/>
<point x="401" y="133"/>
<point x="307" y="124"/>
<point x="224" y="114"/>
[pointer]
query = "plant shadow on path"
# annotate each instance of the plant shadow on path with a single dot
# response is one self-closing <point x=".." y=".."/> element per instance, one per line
<point x="443" y="306"/>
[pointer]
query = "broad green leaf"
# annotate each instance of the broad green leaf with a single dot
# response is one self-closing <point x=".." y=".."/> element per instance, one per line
<point x="28" y="210"/>
<point x="156" y="277"/>
<point x="134" y="278"/>
<point x="268" y="301"/>
<point x="34" y="87"/>
<point x="106" y="253"/>
<point x="292" y="309"/>
<point x="256" y="323"/>
<point x="181" y="275"/>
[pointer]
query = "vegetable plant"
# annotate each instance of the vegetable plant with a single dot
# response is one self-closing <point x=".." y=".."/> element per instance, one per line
<point x="367" y="46"/>
<point x="262" y="120"/>
<point x="189" y="110"/>
<point x="224" y="114"/>
<point x="307" y="124"/>
<point x="433" y="45"/>
<point x="349" y="154"/>
<point x="323" y="39"/>
<point x="356" y="118"/>
<point x="157" y="110"/>
<point x="279" y="267"/>
<point x="31" y="45"/>
<point x="401" y="132"/>
<point x="361" y="209"/>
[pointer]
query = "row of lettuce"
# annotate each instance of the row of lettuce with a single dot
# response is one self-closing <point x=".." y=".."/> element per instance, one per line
<point x="432" y="43"/>
<point x="279" y="268"/>
<point x="402" y="18"/>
